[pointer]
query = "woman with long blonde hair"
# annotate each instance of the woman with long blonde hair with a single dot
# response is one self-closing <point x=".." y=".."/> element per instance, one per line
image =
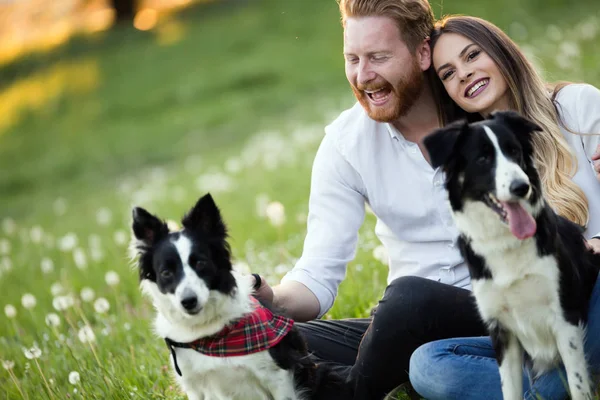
<point x="479" y="70"/>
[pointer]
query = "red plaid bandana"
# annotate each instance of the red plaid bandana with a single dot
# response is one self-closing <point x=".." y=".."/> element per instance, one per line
<point x="254" y="332"/>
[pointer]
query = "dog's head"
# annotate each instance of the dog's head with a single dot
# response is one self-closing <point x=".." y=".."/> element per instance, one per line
<point x="490" y="163"/>
<point x="183" y="270"/>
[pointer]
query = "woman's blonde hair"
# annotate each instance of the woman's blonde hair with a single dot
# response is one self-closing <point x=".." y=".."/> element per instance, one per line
<point x="529" y="96"/>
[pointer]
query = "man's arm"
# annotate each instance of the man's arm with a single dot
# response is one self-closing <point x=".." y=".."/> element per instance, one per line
<point x="336" y="212"/>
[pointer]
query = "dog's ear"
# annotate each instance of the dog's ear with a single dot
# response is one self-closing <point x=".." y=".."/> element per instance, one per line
<point x="440" y="143"/>
<point x="147" y="228"/>
<point x="518" y="123"/>
<point x="205" y="217"/>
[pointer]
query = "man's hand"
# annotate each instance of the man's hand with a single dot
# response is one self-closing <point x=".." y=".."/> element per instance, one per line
<point x="596" y="160"/>
<point x="262" y="290"/>
<point x="594" y="245"/>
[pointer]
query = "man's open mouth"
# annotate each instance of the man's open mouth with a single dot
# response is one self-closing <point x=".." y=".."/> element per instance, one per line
<point x="379" y="96"/>
<point x="520" y="222"/>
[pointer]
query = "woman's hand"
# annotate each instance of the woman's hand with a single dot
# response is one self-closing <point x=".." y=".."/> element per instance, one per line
<point x="596" y="160"/>
<point x="594" y="245"/>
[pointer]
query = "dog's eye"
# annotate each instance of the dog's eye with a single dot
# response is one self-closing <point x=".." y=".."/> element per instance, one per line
<point x="200" y="264"/>
<point x="166" y="273"/>
<point x="484" y="160"/>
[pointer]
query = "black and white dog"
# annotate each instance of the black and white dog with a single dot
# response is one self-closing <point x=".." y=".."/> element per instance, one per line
<point x="531" y="271"/>
<point x="224" y="344"/>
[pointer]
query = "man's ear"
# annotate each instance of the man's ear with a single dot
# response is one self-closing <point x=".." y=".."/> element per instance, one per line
<point x="423" y="54"/>
<point x="440" y="143"/>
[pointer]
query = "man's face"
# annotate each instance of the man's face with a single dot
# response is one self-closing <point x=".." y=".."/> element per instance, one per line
<point x="385" y="77"/>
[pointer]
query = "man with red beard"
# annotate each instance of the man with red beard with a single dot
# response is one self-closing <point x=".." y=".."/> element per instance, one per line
<point x="372" y="153"/>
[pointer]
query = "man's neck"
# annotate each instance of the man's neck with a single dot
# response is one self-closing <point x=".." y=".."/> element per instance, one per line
<point x="421" y="119"/>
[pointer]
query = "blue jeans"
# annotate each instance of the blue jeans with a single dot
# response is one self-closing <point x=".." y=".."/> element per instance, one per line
<point x="466" y="368"/>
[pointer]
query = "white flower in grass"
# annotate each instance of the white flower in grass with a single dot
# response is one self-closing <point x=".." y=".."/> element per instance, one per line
<point x="262" y="201"/>
<point x="36" y="234"/>
<point x="4" y="246"/>
<point x="60" y="206"/>
<point x="28" y="301"/>
<point x="380" y="254"/>
<point x="47" y="265"/>
<point x="101" y="305"/>
<point x="215" y="182"/>
<point x="103" y="216"/>
<point x="67" y="242"/>
<point x="241" y="266"/>
<point x="52" y="320"/>
<point x="8" y="364"/>
<point x="6" y="264"/>
<point x="9" y="226"/>
<point x="10" y="311"/>
<point x="275" y="212"/>
<point x="61" y="303"/>
<point x="86" y="335"/>
<point x="80" y="258"/>
<point x="94" y="241"/>
<point x="96" y="254"/>
<point x="120" y="238"/>
<point x="56" y="288"/>
<point x="233" y="165"/>
<point x="87" y="294"/>
<point x="32" y="352"/>
<point x="112" y="278"/>
<point x="74" y="377"/>
<point x="172" y="225"/>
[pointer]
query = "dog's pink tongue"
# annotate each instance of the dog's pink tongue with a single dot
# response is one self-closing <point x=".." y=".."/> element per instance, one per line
<point x="521" y="223"/>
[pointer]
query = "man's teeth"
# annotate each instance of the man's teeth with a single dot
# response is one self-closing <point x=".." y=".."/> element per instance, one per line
<point x="373" y="91"/>
<point x="477" y="86"/>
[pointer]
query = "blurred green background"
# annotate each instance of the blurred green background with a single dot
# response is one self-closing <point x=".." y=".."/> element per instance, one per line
<point x="173" y="101"/>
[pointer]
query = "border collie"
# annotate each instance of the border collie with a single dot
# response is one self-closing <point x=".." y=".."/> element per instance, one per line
<point x="532" y="273"/>
<point x="224" y="344"/>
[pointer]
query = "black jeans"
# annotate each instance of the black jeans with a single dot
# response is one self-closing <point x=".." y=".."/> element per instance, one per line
<point x="373" y="353"/>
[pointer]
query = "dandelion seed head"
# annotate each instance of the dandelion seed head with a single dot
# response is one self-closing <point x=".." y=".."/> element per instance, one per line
<point x="74" y="377"/>
<point x="103" y="216"/>
<point x="56" y="289"/>
<point x="275" y="212"/>
<point x="10" y="311"/>
<point x="60" y="206"/>
<point x="28" y="301"/>
<point x="36" y="234"/>
<point x="6" y="264"/>
<point x="80" y="258"/>
<point x="61" y="303"/>
<point x="47" y="265"/>
<point x="87" y="294"/>
<point x="67" y="242"/>
<point x="86" y="335"/>
<point x="8" y="364"/>
<point x="101" y="305"/>
<point x="32" y="352"/>
<point x="112" y="278"/>
<point x="52" y="320"/>
<point x="4" y="246"/>
<point x="9" y="226"/>
<point x="120" y="238"/>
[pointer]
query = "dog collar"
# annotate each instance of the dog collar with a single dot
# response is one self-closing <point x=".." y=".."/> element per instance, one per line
<point x="256" y="331"/>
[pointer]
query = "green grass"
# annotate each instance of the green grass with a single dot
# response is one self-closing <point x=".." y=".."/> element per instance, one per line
<point x="120" y="119"/>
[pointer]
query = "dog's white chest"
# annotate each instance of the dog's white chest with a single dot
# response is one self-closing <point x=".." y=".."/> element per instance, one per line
<point x="524" y="297"/>
<point x="252" y="377"/>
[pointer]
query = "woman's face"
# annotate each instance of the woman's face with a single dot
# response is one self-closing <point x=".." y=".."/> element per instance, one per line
<point x="470" y="76"/>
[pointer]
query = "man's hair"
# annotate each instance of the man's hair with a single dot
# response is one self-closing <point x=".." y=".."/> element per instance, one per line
<point x="414" y="18"/>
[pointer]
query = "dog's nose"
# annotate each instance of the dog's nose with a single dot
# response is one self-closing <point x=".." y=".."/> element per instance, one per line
<point x="189" y="303"/>
<point x="519" y="188"/>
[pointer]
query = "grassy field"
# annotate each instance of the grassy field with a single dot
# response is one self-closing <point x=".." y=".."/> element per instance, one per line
<point x="230" y="98"/>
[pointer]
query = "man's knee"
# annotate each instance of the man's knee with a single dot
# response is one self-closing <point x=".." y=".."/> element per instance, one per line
<point x="407" y="298"/>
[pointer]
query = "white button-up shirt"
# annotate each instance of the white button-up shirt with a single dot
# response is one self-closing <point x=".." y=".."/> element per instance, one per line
<point x="361" y="160"/>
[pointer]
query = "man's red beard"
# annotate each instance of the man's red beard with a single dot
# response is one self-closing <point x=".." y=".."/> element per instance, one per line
<point x="402" y="96"/>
